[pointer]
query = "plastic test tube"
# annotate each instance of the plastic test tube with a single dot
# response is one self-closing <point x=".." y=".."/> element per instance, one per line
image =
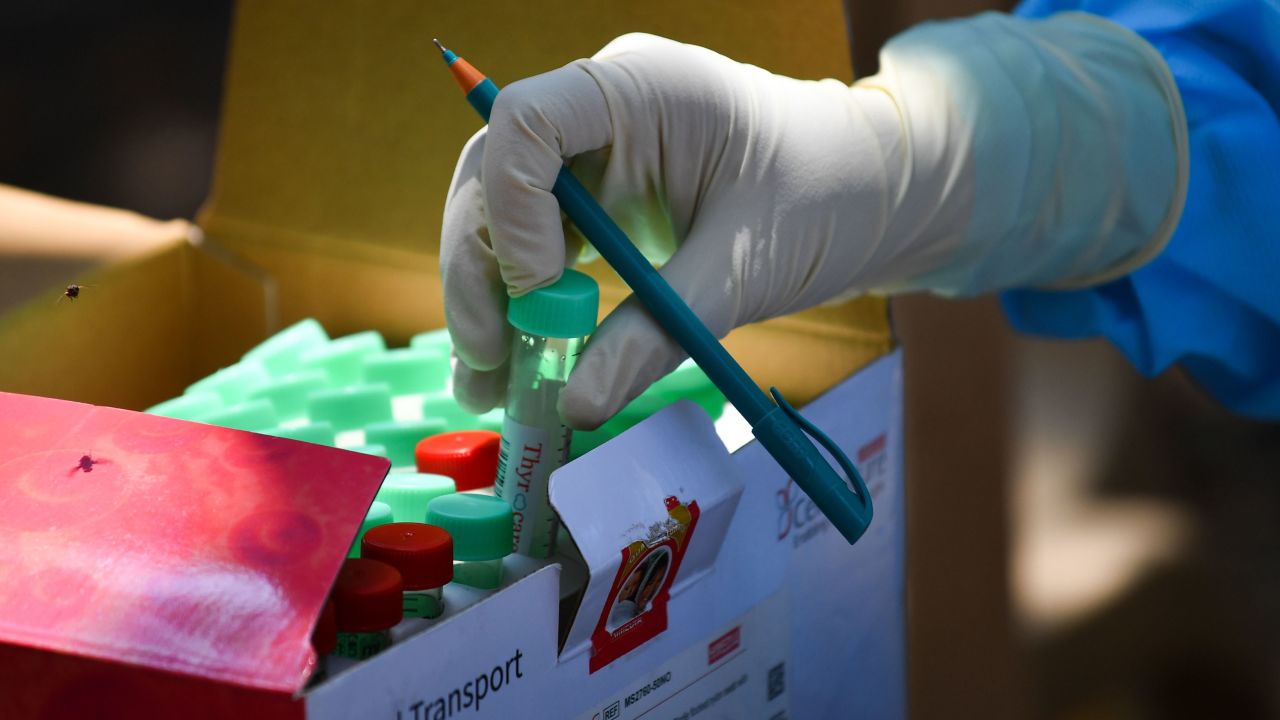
<point x="551" y="326"/>
<point x="423" y="554"/>
<point x="367" y="598"/>
<point x="408" y="494"/>
<point x="480" y="526"/>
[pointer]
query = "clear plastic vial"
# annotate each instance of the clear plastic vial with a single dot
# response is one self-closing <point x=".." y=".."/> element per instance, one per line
<point x="368" y="602"/>
<point x="551" y="326"/>
<point x="480" y="526"/>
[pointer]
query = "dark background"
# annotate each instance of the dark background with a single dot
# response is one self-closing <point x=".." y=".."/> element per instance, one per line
<point x="1036" y="469"/>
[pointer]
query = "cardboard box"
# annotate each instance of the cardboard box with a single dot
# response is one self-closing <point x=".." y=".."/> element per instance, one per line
<point x="338" y="139"/>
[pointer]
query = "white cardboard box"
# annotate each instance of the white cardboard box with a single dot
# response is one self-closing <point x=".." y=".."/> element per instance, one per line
<point x="771" y="614"/>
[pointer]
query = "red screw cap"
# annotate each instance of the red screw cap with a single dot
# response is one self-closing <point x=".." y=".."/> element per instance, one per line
<point x="422" y="553"/>
<point x="368" y="596"/>
<point x="470" y="457"/>
<point x="325" y="637"/>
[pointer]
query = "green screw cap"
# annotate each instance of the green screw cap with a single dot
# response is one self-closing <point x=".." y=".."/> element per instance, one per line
<point x="350" y="407"/>
<point x="319" y="433"/>
<point x="400" y="437"/>
<point x="408" y="370"/>
<point x="408" y="494"/>
<point x="379" y="450"/>
<point x="379" y="514"/>
<point x="433" y="340"/>
<point x="193" y="406"/>
<point x="341" y="358"/>
<point x="279" y="353"/>
<point x="481" y="525"/>
<point x="255" y="415"/>
<point x="443" y="407"/>
<point x="566" y="308"/>
<point x="288" y="394"/>
<point x="234" y="382"/>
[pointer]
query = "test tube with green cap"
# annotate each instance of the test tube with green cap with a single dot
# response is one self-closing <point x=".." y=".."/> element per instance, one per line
<point x="551" y="326"/>
<point x="411" y="373"/>
<point x="254" y="415"/>
<point x="409" y="494"/>
<point x="480" y="526"/>
<point x="234" y="382"/>
<point x="320" y="433"/>
<point x="400" y="437"/>
<point x="351" y="407"/>
<point x="341" y="358"/>
<point x="288" y="393"/>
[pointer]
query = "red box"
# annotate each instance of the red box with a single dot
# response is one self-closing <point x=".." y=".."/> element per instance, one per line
<point x="161" y="568"/>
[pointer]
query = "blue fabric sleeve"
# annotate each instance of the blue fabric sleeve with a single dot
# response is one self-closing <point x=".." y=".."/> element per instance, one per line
<point x="1211" y="301"/>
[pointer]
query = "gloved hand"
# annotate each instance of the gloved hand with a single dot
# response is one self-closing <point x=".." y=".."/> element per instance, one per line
<point x="762" y="196"/>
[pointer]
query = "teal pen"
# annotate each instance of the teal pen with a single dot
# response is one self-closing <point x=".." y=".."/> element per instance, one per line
<point x="782" y="430"/>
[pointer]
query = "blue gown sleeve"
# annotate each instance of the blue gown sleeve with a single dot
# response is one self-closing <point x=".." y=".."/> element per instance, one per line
<point x="1211" y="301"/>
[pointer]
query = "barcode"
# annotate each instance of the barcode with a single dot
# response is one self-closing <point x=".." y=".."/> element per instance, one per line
<point x="777" y="680"/>
<point x="504" y="451"/>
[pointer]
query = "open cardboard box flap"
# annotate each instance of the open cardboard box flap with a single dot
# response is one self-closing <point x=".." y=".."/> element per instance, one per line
<point x="671" y="460"/>
<point x="172" y="546"/>
<point x="338" y="138"/>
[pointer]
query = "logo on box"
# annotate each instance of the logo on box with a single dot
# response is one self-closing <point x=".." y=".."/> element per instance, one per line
<point x="724" y="645"/>
<point x="801" y="520"/>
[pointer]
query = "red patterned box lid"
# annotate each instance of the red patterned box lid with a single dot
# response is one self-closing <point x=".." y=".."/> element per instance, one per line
<point x="171" y="545"/>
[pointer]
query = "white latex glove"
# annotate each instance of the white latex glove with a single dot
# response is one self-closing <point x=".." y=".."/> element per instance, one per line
<point x="765" y="195"/>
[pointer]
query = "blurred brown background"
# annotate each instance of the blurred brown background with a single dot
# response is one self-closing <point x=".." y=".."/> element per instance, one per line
<point x="1083" y="543"/>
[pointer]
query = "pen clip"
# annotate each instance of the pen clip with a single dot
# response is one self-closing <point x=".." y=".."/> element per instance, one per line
<point x="790" y="439"/>
<point x="813" y="431"/>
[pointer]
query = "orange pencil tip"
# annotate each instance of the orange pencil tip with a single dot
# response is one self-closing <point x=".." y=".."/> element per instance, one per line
<point x="467" y="76"/>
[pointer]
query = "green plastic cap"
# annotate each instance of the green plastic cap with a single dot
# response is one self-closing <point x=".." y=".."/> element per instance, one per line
<point x="279" y="353"/>
<point x="349" y="408"/>
<point x="408" y="494"/>
<point x="379" y="450"/>
<point x="444" y="408"/>
<point x="255" y="415"/>
<point x="409" y="370"/>
<point x="289" y="393"/>
<point x="379" y="514"/>
<point x="433" y="340"/>
<point x="233" y="383"/>
<point x="566" y="308"/>
<point x="189" y="407"/>
<point x="401" y="437"/>
<point x="319" y="433"/>
<point x="481" y="525"/>
<point x="341" y="358"/>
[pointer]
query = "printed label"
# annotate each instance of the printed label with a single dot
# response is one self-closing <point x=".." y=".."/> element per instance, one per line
<point x="422" y="605"/>
<point x="525" y="461"/>
<point x="738" y="672"/>
<point x="362" y="645"/>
